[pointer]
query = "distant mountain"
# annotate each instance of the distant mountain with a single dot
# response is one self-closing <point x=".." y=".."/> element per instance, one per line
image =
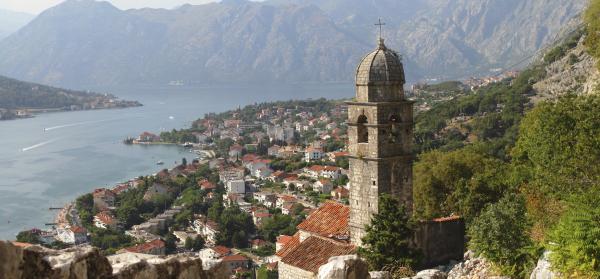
<point x="17" y="95"/>
<point x="83" y="42"/>
<point x="11" y="21"/>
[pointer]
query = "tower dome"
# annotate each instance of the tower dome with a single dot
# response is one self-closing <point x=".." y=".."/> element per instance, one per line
<point x="382" y="66"/>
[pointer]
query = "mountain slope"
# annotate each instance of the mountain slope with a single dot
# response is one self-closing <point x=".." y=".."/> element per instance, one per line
<point x="93" y="42"/>
<point x="11" y="21"/>
<point x="90" y="43"/>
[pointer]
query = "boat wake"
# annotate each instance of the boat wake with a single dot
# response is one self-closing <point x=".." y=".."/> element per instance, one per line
<point x="76" y="124"/>
<point x="37" y="145"/>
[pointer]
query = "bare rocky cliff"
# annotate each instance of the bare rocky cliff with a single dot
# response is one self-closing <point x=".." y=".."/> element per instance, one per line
<point x="574" y="73"/>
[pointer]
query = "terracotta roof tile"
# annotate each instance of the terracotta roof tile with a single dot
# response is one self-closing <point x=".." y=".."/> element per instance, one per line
<point x="146" y="247"/>
<point x="235" y="258"/>
<point x="447" y="219"/>
<point x="221" y="250"/>
<point x="315" y="252"/>
<point x="290" y="245"/>
<point x="329" y="220"/>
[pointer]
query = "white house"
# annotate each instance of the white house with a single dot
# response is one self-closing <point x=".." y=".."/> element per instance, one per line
<point x="237" y="186"/>
<point x="72" y="235"/>
<point x="323" y="186"/>
<point x="207" y="228"/>
<point x="313" y="154"/>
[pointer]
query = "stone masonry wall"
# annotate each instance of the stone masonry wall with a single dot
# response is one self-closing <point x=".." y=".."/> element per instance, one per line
<point x="441" y="242"/>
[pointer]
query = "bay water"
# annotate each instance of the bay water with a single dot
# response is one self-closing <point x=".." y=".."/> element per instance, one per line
<point x="49" y="160"/>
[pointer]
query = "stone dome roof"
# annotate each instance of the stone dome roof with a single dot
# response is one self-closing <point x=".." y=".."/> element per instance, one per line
<point x="383" y="65"/>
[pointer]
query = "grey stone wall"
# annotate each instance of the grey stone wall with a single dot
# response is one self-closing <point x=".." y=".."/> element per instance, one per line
<point x="440" y="242"/>
<point x="287" y="271"/>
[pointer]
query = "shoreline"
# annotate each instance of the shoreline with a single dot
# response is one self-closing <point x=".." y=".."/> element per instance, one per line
<point x="32" y="113"/>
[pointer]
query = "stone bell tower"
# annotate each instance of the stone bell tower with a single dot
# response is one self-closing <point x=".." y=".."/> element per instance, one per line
<point x="380" y="122"/>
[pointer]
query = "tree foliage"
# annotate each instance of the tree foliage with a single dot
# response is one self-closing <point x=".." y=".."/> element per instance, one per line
<point x="460" y="182"/>
<point x="500" y="234"/>
<point x="575" y="241"/>
<point x="388" y="236"/>
<point x="560" y="143"/>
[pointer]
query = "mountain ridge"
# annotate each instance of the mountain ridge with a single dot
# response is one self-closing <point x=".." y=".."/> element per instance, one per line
<point x="278" y="41"/>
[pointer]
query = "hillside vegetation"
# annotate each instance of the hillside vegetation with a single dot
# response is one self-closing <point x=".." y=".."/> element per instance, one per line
<point x="526" y="179"/>
<point x="15" y="94"/>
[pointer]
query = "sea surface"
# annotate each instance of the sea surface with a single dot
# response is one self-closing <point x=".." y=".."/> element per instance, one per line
<point x="49" y="160"/>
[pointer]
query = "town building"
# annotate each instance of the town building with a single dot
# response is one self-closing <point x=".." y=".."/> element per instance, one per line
<point x="313" y="154"/>
<point x="104" y="199"/>
<point x="72" y="235"/>
<point x="235" y="186"/>
<point x="154" y="247"/>
<point x="105" y="220"/>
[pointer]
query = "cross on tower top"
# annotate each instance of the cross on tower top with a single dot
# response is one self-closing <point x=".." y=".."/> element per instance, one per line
<point x="380" y="24"/>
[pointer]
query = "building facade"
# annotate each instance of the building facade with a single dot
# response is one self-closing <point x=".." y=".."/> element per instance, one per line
<point x="380" y="121"/>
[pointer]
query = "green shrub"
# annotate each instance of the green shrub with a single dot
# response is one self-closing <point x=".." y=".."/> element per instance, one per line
<point x="501" y="235"/>
<point x="575" y="241"/>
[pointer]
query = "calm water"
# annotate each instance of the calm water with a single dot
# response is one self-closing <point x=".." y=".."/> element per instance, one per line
<point x="80" y="151"/>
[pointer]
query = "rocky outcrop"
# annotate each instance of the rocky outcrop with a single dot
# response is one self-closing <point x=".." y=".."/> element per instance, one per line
<point x="344" y="267"/>
<point x="543" y="270"/>
<point x="471" y="268"/>
<point x="86" y="262"/>
<point x="575" y="72"/>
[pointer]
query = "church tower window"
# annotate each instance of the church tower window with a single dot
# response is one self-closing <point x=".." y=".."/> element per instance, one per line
<point x="363" y="132"/>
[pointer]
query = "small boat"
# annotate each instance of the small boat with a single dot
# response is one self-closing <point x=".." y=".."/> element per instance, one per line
<point x="160" y="163"/>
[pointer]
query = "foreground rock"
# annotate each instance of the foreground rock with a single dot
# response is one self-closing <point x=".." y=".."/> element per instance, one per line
<point x="84" y="262"/>
<point x="344" y="267"/>
<point x="543" y="270"/>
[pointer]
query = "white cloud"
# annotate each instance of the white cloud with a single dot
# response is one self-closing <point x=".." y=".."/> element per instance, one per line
<point x="37" y="6"/>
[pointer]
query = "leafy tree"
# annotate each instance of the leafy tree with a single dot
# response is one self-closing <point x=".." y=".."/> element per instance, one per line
<point x="170" y="243"/>
<point x="500" y="234"/>
<point x="194" y="244"/>
<point x="277" y="225"/>
<point x="28" y="237"/>
<point x="460" y="182"/>
<point x="575" y="241"/>
<point x="106" y="239"/>
<point x="388" y="236"/>
<point x="560" y="143"/>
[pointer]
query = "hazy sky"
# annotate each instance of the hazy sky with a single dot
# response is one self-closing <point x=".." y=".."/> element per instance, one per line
<point x="36" y="6"/>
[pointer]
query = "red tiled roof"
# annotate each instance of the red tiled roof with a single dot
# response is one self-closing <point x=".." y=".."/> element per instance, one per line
<point x="287" y="198"/>
<point x="146" y="247"/>
<point x="207" y="185"/>
<point x="329" y="219"/>
<point x="221" y="250"/>
<point x="120" y="188"/>
<point x="103" y="192"/>
<point x="272" y="266"/>
<point x="21" y="244"/>
<point x="76" y="229"/>
<point x="234" y="258"/>
<point x="447" y="219"/>
<point x="314" y="252"/>
<point x="284" y="239"/>
<point x="289" y="246"/>
<point x="106" y="218"/>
